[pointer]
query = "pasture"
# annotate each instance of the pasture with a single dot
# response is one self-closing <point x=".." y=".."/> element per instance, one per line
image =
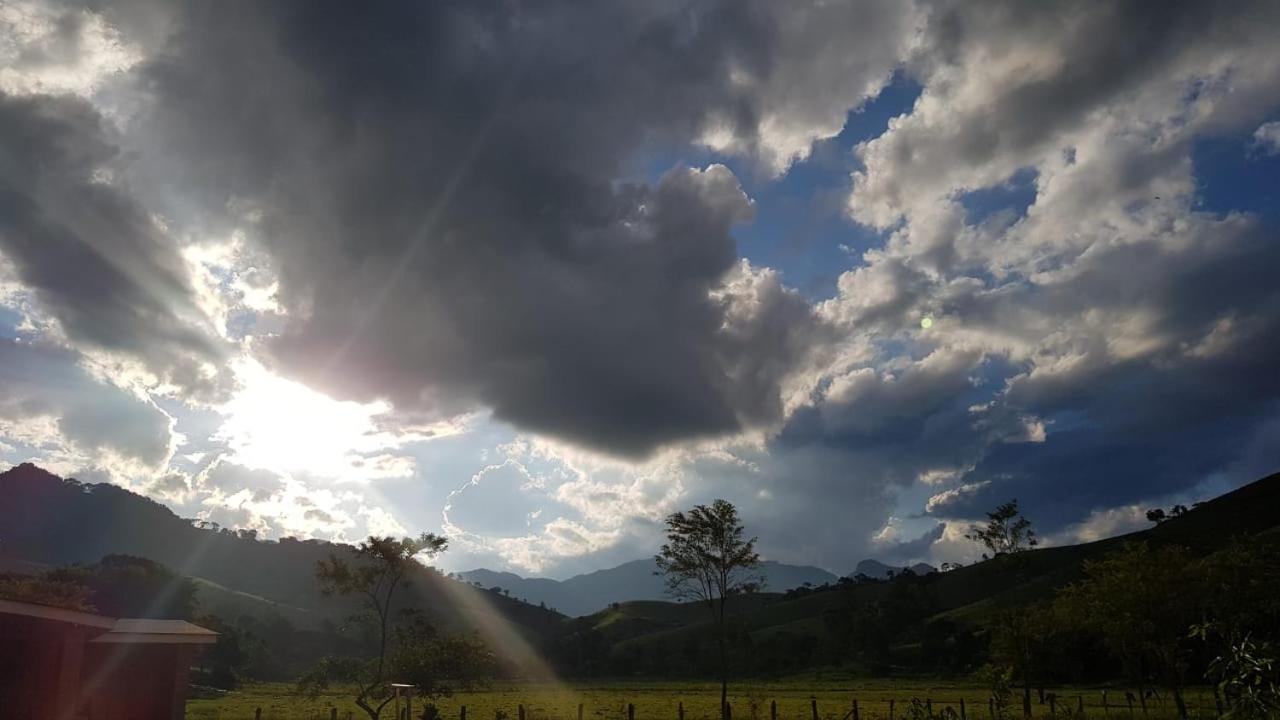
<point x="654" y="700"/>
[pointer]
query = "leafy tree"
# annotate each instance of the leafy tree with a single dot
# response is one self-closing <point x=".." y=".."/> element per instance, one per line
<point x="1020" y="638"/>
<point x="707" y="559"/>
<point x="1141" y="601"/>
<point x="45" y="591"/>
<point x="379" y="569"/>
<point x="438" y="664"/>
<point x="1007" y="532"/>
<point x="128" y="586"/>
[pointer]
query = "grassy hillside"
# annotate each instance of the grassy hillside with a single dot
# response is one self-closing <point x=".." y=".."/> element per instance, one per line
<point x="967" y="596"/>
<point x="49" y="521"/>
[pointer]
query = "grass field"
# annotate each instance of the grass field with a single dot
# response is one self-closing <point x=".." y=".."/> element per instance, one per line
<point x="654" y="700"/>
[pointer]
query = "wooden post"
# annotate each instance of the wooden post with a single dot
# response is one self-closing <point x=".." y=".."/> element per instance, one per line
<point x="962" y="714"/>
<point x="463" y="713"/>
<point x="520" y="711"/>
<point x="580" y="712"/>
<point x="1106" y="709"/>
<point x="333" y="713"/>
<point x="891" y="701"/>
<point x="1080" y="705"/>
<point x="855" y="709"/>
<point x="928" y="706"/>
<point x="773" y="710"/>
<point x="257" y="714"/>
<point x="813" y="706"/>
<point x="679" y="709"/>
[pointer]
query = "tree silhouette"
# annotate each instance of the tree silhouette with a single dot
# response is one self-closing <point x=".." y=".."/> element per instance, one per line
<point x="379" y="570"/>
<point x="706" y="559"/>
<point x="1007" y="532"/>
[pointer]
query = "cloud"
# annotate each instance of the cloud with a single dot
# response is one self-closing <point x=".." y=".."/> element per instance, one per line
<point x="75" y="424"/>
<point x="53" y="50"/>
<point x="489" y="250"/>
<point x="95" y="261"/>
<point x="1110" y="333"/>
<point x="1267" y="138"/>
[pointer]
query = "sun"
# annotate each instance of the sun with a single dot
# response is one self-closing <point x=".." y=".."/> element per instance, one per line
<point x="284" y="426"/>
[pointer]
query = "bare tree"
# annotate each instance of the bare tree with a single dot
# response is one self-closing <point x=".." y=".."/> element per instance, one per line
<point x="706" y="559"/>
<point x="1007" y="532"/>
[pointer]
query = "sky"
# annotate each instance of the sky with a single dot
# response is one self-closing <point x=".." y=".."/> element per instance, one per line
<point x="536" y="275"/>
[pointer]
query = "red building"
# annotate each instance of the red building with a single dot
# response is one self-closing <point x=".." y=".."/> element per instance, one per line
<point x="61" y="664"/>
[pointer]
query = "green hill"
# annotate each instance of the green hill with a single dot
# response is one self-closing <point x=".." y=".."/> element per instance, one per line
<point x="48" y="521"/>
<point x="965" y="597"/>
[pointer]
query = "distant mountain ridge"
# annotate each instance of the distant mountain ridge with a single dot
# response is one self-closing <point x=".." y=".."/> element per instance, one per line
<point x="879" y="571"/>
<point x="636" y="580"/>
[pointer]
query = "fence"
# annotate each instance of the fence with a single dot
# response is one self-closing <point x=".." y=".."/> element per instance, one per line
<point x="1102" y="705"/>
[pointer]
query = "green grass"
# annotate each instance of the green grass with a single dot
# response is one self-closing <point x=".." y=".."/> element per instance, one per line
<point x="661" y="700"/>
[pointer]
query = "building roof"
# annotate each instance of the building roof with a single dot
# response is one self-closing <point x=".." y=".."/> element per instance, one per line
<point x="137" y="630"/>
<point x="118" y="630"/>
<point x="57" y="614"/>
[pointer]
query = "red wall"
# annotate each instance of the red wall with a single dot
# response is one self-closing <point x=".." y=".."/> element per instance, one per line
<point x="49" y="670"/>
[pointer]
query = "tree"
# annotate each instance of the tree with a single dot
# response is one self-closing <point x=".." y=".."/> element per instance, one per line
<point x="379" y="570"/>
<point x="706" y="559"/>
<point x="1141" y="601"/>
<point x="1007" y="531"/>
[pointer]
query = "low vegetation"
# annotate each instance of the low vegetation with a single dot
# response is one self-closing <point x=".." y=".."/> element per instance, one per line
<point x="609" y="700"/>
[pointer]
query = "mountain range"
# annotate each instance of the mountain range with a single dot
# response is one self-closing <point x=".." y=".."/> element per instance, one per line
<point x="635" y="580"/>
<point x="46" y="521"/>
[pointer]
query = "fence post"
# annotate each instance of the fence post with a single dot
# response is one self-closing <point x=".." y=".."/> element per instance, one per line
<point x="813" y="705"/>
<point x="580" y="712"/>
<point x="631" y="712"/>
<point x="333" y="713"/>
<point x="962" y="714"/>
<point x="520" y="710"/>
<point x="1080" y="705"/>
<point x="1106" y="709"/>
<point x="257" y="714"/>
<point x="855" y="709"/>
<point x="891" y="701"/>
<point x="462" y="714"/>
<point x="991" y="707"/>
<point x="928" y="706"/>
<point x="680" y="710"/>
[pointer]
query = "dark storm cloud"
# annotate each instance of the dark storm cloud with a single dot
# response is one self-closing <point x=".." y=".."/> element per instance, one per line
<point x="93" y="257"/>
<point x="438" y="184"/>
<point x="1161" y="424"/>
